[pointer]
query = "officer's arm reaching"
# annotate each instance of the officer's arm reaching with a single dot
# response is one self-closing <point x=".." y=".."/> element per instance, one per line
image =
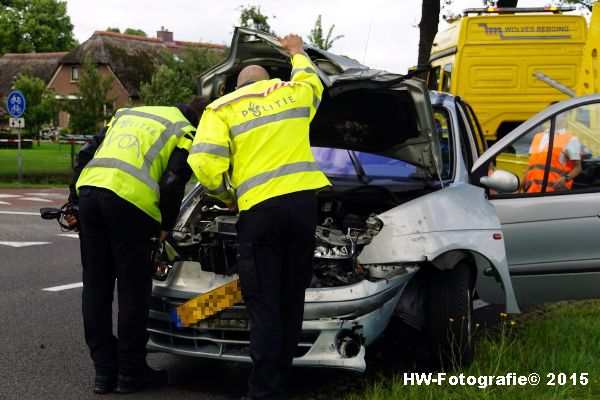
<point x="209" y="156"/>
<point x="172" y="187"/>
<point x="303" y="70"/>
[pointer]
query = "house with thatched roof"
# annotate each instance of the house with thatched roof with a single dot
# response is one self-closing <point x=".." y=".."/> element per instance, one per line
<point x="129" y="59"/>
<point x="40" y="65"/>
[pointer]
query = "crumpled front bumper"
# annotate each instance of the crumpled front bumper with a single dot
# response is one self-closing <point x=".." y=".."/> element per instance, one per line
<point x="338" y="322"/>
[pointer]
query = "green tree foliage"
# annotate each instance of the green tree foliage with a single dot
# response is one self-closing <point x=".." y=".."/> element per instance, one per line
<point x="134" y="31"/>
<point x="175" y="81"/>
<point x="252" y="17"/>
<point x="42" y="106"/>
<point x="115" y="30"/>
<point x="89" y="112"/>
<point x="166" y="89"/>
<point x="317" y="39"/>
<point x="35" y="25"/>
<point x="584" y="4"/>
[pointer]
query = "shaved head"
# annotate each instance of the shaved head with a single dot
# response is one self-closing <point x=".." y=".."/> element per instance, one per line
<point x="252" y="73"/>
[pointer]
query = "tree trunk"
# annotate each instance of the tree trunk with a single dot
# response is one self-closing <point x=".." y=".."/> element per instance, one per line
<point x="428" y="27"/>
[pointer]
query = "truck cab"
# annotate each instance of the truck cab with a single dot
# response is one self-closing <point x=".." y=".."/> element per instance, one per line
<point x="489" y="57"/>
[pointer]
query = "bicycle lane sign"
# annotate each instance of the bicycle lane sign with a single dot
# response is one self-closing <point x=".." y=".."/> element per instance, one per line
<point x="15" y="103"/>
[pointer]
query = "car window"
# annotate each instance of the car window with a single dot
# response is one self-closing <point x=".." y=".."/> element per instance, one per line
<point x="559" y="156"/>
<point x="335" y="163"/>
<point x="479" y="137"/>
<point x="446" y="78"/>
<point x="338" y="163"/>
<point x="380" y="167"/>
<point x="441" y="118"/>
<point x="467" y="143"/>
<point x="433" y="79"/>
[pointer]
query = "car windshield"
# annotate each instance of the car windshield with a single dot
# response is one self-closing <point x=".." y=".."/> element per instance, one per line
<point x="356" y="165"/>
<point x="347" y="164"/>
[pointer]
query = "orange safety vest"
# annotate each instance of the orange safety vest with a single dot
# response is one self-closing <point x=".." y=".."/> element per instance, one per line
<point x="534" y="174"/>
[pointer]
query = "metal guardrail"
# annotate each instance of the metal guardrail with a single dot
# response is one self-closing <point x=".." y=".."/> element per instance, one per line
<point x="15" y="140"/>
<point x="71" y="141"/>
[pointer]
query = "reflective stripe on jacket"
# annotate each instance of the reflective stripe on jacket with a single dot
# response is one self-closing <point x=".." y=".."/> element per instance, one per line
<point x="258" y="135"/>
<point x="534" y="175"/>
<point x="135" y="153"/>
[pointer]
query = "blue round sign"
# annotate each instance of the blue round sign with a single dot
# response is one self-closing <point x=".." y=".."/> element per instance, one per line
<point x="15" y="104"/>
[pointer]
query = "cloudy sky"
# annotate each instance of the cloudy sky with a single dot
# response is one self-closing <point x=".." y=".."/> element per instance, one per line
<point x="381" y="33"/>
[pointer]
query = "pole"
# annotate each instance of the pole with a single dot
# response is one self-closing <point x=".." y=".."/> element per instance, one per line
<point x="19" y="154"/>
<point x="558" y="86"/>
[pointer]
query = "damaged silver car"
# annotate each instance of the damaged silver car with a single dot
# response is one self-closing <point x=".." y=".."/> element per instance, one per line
<point x="402" y="233"/>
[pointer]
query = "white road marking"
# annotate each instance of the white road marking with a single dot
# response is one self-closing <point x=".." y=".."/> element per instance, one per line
<point x="4" y="202"/>
<point x="20" y="213"/>
<point x="64" y="287"/>
<point x="36" y="199"/>
<point x="7" y="196"/>
<point x="45" y="194"/>
<point x="70" y="235"/>
<point x="479" y="304"/>
<point x="23" y="244"/>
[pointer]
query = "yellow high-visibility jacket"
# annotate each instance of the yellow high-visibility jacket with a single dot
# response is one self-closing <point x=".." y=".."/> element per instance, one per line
<point x="258" y="135"/>
<point x="135" y="152"/>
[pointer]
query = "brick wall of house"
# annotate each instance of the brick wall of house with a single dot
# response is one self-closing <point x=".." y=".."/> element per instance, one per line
<point x="64" y="86"/>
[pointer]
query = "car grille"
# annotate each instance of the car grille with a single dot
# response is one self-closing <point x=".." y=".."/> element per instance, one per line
<point x="224" y="334"/>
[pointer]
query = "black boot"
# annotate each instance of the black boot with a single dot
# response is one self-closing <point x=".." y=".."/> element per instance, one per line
<point x="148" y="377"/>
<point x="104" y="383"/>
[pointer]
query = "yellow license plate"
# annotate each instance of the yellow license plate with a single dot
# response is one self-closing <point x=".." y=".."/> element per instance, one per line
<point x="207" y="304"/>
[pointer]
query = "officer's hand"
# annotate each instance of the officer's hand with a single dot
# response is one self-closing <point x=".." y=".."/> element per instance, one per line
<point x="72" y="221"/>
<point x="163" y="235"/>
<point x="232" y="207"/>
<point x="292" y="43"/>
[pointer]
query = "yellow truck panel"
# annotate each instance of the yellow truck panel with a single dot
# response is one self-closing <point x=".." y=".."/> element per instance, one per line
<point x="589" y="81"/>
<point x="489" y="60"/>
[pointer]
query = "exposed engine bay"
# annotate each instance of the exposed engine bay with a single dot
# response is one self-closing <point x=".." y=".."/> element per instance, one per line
<point x="206" y="233"/>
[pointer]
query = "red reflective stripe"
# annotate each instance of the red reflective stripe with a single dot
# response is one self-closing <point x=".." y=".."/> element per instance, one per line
<point x="263" y="94"/>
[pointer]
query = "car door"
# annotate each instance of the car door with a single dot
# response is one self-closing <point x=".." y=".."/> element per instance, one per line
<point x="551" y="230"/>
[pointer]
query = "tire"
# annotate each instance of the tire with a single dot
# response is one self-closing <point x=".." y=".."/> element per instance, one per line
<point x="449" y="316"/>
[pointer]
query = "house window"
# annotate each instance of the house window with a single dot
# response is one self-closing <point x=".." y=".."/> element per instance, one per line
<point x="74" y="73"/>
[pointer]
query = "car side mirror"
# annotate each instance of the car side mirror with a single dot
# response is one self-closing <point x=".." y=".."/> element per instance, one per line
<point x="501" y="181"/>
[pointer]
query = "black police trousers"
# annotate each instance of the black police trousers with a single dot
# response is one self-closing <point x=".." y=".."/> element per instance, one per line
<point x="117" y="241"/>
<point x="276" y="246"/>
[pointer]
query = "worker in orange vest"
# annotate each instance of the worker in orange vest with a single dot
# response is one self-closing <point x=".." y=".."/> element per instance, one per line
<point x="565" y="162"/>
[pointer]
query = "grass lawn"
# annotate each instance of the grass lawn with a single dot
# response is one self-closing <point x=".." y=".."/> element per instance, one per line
<point x="47" y="165"/>
<point x="560" y="338"/>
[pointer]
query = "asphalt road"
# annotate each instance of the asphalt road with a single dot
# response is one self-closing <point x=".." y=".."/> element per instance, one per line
<point x="44" y="355"/>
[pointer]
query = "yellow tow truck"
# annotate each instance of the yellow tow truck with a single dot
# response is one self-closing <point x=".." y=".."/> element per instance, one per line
<point x="500" y="60"/>
<point x="581" y="122"/>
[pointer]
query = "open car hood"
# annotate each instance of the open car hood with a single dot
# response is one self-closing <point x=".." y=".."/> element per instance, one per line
<point x="362" y="109"/>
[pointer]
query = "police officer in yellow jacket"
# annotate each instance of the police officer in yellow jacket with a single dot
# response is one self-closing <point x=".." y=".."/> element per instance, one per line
<point x="257" y="136"/>
<point x="129" y="183"/>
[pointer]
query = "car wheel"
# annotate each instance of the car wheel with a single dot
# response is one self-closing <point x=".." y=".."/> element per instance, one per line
<point x="449" y="319"/>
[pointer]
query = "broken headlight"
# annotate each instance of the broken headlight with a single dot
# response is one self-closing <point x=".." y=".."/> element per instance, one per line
<point x="163" y="261"/>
